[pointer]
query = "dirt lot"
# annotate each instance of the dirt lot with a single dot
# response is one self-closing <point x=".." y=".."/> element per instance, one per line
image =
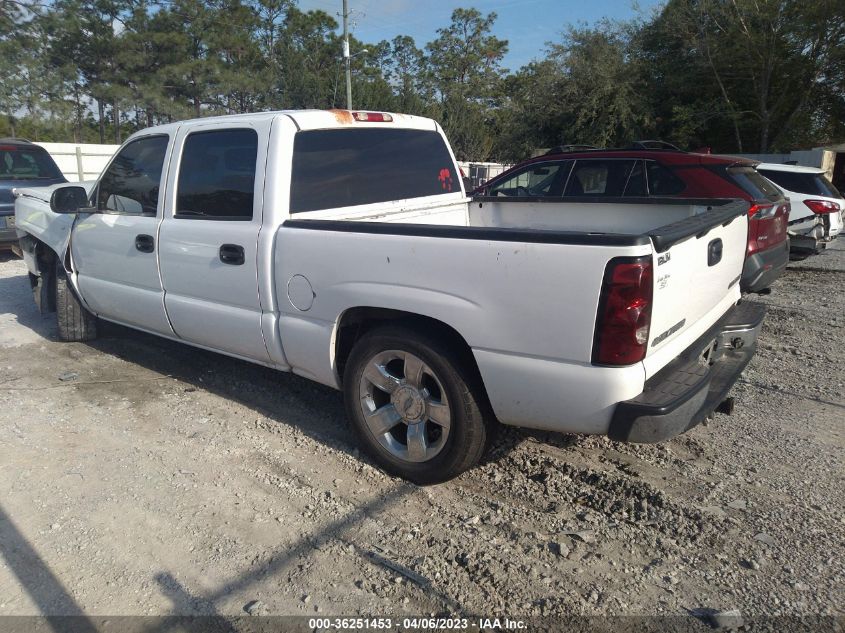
<point x="138" y="476"/>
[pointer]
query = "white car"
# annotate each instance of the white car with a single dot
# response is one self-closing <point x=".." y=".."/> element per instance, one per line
<point x="817" y="206"/>
<point x="341" y="246"/>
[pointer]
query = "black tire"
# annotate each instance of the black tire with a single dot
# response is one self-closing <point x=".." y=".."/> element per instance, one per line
<point x="472" y="423"/>
<point x="74" y="321"/>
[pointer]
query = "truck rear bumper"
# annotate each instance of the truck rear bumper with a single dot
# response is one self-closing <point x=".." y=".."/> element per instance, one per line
<point x="690" y="389"/>
<point x="764" y="267"/>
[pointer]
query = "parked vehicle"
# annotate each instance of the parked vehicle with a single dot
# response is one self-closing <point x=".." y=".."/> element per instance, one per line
<point x="653" y="169"/>
<point x="817" y="206"/>
<point x="21" y="164"/>
<point x="341" y="246"/>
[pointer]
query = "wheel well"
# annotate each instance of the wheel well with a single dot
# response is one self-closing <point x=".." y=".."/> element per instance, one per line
<point x="356" y="322"/>
<point x="43" y="259"/>
<point x="43" y="256"/>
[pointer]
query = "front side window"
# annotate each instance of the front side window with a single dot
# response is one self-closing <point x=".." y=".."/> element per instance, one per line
<point x="131" y="183"/>
<point x="348" y="167"/>
<point x="538" y="179"/>
<point x="217" y="175"/>
<point x="596" y="177"/>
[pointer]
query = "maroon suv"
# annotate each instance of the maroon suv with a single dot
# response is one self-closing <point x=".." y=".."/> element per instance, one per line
<point x="638" y="173"/>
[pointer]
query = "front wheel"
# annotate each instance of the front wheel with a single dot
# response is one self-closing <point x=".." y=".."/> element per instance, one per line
<point x="75" y="323"/>
<point x="415" y="405"/>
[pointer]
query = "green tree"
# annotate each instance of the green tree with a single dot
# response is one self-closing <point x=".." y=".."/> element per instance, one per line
<point x="768" y="61"/>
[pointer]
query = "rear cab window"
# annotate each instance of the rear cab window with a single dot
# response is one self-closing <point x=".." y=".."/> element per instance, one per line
<point x="27" y="163"/>
<point x="217" y="175"/>
<point x="802" y="182"/>
<point x="338" y="168"/>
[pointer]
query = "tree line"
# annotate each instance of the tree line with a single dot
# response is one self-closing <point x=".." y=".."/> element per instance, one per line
<point x="733" y="75"/>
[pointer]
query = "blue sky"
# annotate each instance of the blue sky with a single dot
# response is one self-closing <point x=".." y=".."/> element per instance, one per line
<point x="526" y="24"/>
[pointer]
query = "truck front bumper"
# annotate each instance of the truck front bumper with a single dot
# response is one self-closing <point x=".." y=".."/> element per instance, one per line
<point x="764" y="267"/>
<point x="691" y="387"/>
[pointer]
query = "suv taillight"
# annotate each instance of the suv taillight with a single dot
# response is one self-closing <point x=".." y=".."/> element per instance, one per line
<point x="822" y="206"/>
<point x="758" y="211"/>
<point x="624" y="314"/>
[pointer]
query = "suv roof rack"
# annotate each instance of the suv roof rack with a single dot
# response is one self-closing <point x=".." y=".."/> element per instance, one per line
<point x="655" y="145"/>
<point x="564" y="149"/>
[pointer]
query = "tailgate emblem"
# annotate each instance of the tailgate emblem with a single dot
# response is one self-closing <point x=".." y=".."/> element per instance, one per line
<point x="714" y="252"/>
<point x="662" y="337"/>
<point x="663" y="259"/>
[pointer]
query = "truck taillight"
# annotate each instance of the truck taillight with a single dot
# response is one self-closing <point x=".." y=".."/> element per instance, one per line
<point x="624" y="314"/>
<point x="758" y="211"/>
<point x="372" y="117"/>
<point x="822" y="206"/>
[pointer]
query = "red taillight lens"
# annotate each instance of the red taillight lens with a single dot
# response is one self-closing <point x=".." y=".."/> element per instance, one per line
<point x="762" y="210"/>
<point x="372" y="117"/>
<point x="822" y="206"/>
<point x="624" y="314"/>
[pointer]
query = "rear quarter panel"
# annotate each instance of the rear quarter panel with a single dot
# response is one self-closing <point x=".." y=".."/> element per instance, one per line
<point x="527" y="310"/>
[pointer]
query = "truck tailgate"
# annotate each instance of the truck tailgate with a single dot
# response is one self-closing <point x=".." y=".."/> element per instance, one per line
<point x="696" y="279"/>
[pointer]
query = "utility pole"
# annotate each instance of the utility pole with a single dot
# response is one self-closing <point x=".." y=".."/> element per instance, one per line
<point x="346" y="57"/>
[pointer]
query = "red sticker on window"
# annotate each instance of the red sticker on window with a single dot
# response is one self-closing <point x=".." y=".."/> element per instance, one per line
<point x="445" y="179"/>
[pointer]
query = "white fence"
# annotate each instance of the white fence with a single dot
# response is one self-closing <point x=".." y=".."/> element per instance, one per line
<point x="80" y="161"/>
<point x="479" y="173"/>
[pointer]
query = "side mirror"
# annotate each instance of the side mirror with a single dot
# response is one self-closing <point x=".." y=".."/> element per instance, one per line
<point x="70" y="199"/>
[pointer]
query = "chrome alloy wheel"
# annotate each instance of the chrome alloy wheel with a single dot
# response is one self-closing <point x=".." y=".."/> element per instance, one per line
<point x="405" y="405"/>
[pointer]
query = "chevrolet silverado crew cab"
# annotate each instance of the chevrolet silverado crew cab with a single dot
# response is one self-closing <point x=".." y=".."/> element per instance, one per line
<point x="661" y="172"/>
<point x="341" y="246"/>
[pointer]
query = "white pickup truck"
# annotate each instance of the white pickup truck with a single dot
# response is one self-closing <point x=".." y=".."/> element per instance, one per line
<point x="341" y="246"/>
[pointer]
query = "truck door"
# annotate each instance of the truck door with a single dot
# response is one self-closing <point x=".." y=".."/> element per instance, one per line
<point x="209" y="236"/>
<point x="114" y="250"/>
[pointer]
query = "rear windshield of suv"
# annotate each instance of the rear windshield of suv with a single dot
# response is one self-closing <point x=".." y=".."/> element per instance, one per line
<point x="24" y="163"/>
<point x="754" y="184"/>
<point x="810" y="184"/>
<point x="348" y="167"/>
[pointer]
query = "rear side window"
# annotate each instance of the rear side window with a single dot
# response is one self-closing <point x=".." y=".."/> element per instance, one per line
<point x="636" y="181"/>
<point x="23" y="163"/>
<point x="810" y="184"/>
<point x="217" y="175"/>
<point x="349" y="167"/>
<point x="662" y="182"/>
<point x="753" y="183"/>
<point x="599" y="177"/>
<point x="131" y="183"/>
<point x="539" y="179"/>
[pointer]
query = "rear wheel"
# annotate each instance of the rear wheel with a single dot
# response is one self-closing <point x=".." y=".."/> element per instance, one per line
<point x="415" y="406"/>
<point x="74" y="321"/>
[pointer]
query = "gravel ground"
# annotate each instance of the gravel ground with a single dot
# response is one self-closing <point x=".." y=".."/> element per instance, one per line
<point x="142" y="477"/>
